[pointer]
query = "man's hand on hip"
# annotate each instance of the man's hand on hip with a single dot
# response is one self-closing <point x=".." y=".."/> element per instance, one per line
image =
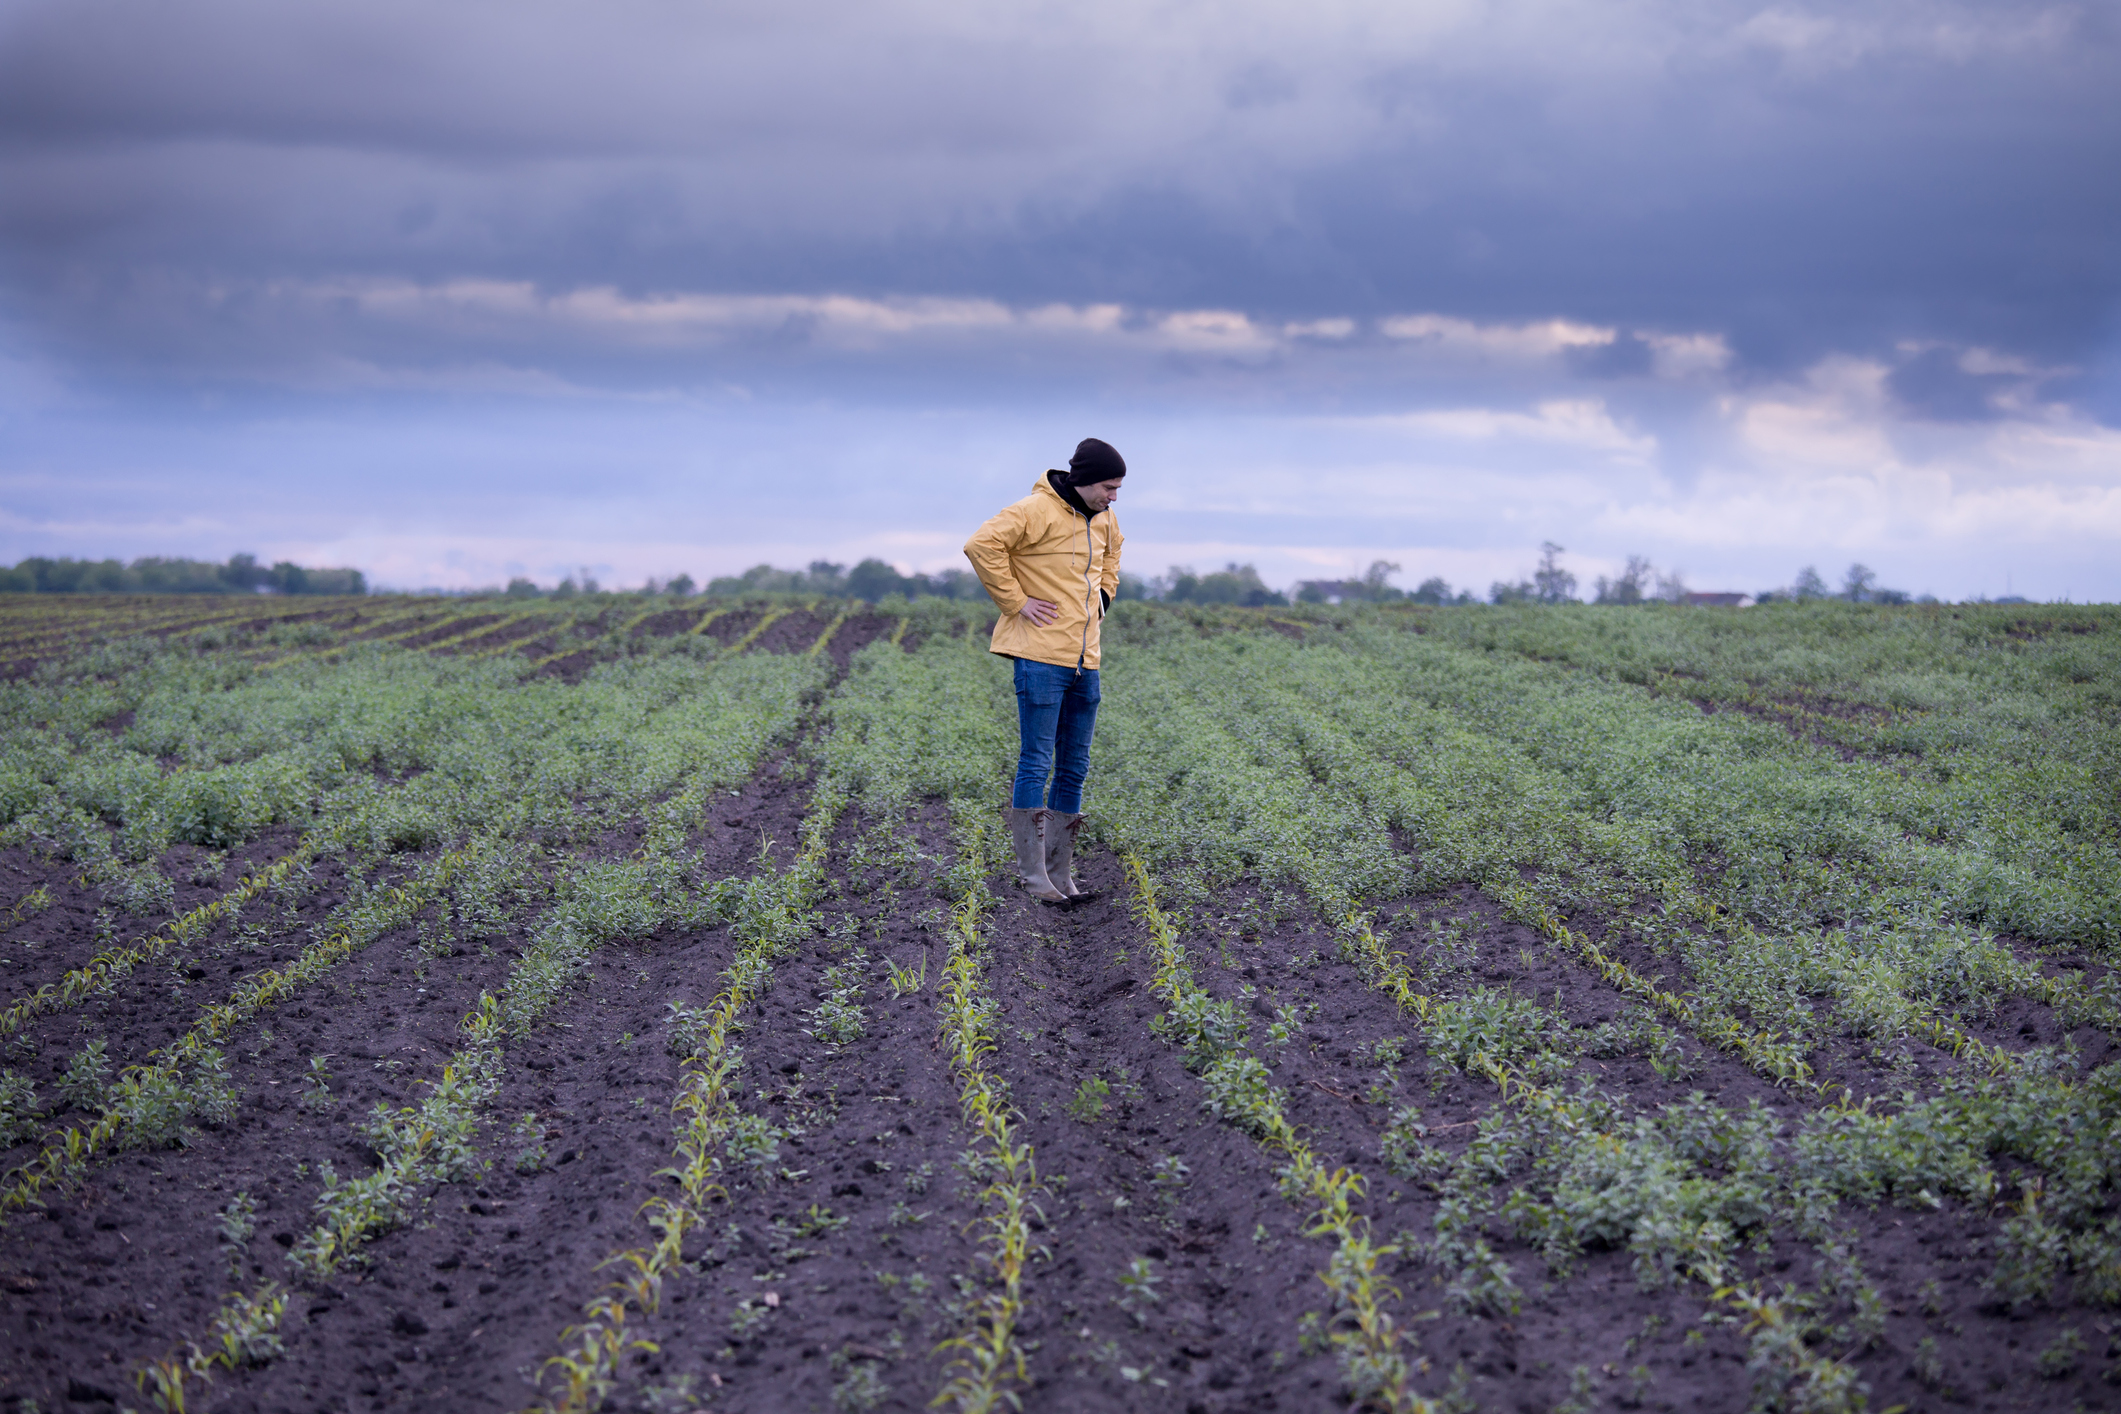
<point x="1039" y="611"/>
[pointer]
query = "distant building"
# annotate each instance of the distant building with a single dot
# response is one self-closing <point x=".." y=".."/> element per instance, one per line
<point x="1720" y="600"/>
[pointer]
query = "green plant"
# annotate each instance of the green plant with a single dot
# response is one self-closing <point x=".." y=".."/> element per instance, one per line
<point x="316" y="1085"/>
<point x="749" y="1317"/>
<point x="20" y="1118"/>
<point x="2061" y="1356"/>
<point x="1089" y="1102"/>
<point x="529" y="1131"/>
<point x="838" y="1017"/>
<point x="818" y="1222"/>
<point x="1286" y="1026"/>
<point x="237" y="1222"/>
<point x="1137" y="1289"/>
<point x="1169" y="1176"/>
<point x="1583" y="1393"/>
<point x="30" y="904"/>
<point x="245" y="1332"/>
<point x="86" y="1084"/>
<point x="688" y="1029"/>
<point x="905" y="981"/>
<point x="754" y="1143"/>
<point x="860" y="1385"/>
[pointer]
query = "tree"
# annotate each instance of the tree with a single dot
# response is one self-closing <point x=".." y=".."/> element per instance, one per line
<point x="1631" y="588"/>
<point x="1808" y="585"/>
<point x="1504" y="592"/>
<point x="1551" y="584"/>
<point x="158" y="574"/>
<point x="1434" y="590"/>
<point x="521" y="588"/>
<point x="964" y="584"/>
<point x="680" y="585"/>
<point x="1375" y="589"/>
<point x="872" y="579"/>
<point x="244" y="572"/>
<point x="1856" y="584"/>
<point x="1232" y="584"/>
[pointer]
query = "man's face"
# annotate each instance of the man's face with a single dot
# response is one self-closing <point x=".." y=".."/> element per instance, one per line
<point x="1099" y="494"/>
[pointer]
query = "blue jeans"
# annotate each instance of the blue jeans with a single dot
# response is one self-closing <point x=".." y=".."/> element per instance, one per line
<point x="1056" y="712"/>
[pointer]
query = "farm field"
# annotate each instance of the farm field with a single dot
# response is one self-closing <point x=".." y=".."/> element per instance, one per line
<point x="621" y="1003"/>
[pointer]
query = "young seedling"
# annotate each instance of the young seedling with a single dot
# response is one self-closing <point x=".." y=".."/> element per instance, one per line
<point x="20" y="1119"/>
<point x="754" y="1143"/>
<point x="860" y="1387"/>
<point x="1137" y="1289"/>
<point x="750" y="1316"/>
<point x="1288" y="1023"/>
<point x="1089" y="1102"/>
<point x="30" y="904"/>
<point x="1387" y="1053"/>
<point x="689" y="1029"/>
<point x="905" y="981"/>
<point x="2060" y="1359"/>
<point x="838" y="1017"/>
<point x="86" y="1084"/>
<point x="530" y="1132"/>
<point x="1169" y="1175"/>
<point x="818" y="1222"/>
<point x="238" y="1221"/>
<point x="316" y="1093"/>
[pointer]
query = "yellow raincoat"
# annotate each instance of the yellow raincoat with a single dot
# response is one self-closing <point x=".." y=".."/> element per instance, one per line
<point x="1042" y="548"/>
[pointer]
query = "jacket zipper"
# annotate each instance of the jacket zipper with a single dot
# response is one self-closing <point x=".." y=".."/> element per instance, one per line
<point x="1084" y="656"/>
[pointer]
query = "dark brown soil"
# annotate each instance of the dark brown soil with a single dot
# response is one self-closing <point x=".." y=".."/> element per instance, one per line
<point x="45" y="944"/>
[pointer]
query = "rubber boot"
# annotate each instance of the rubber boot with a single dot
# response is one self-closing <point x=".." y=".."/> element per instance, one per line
<point x="1027" y="831"/>
<point x="1060" y="856"/>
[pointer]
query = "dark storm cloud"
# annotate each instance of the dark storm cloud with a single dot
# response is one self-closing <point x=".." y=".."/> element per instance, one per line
<point x="177" y="179"/>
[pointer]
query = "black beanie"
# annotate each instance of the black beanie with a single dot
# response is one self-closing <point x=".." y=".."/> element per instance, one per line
<point x="1095" y="461"/>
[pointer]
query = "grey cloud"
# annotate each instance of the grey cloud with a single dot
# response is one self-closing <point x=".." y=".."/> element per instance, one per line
<point x="1935" y="385"/>
<point x="1798" y="182"/>
<point x="1628" y="355"/>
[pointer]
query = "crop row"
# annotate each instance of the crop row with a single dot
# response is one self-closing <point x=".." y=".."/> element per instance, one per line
<point x="768" y="915"/>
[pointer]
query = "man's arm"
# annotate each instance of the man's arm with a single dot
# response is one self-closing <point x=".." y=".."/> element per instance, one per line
<point x="988" y="550"/>
<point x="1108" y="581"/>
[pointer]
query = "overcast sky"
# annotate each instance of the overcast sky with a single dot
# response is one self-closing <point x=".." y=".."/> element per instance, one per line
<point x="458" y="291"/>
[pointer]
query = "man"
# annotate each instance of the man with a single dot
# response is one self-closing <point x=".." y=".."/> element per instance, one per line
<point x="1050" y="562"/>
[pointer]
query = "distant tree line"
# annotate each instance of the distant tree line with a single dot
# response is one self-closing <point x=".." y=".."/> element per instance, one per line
<point x="874" y="579"/>
<point x="1859" y="586"/>
<point x="158" y="575"/>
<point x="1373" y="588"/>
<point x="871" y="580"/>
<point x="1550" y="582"/>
